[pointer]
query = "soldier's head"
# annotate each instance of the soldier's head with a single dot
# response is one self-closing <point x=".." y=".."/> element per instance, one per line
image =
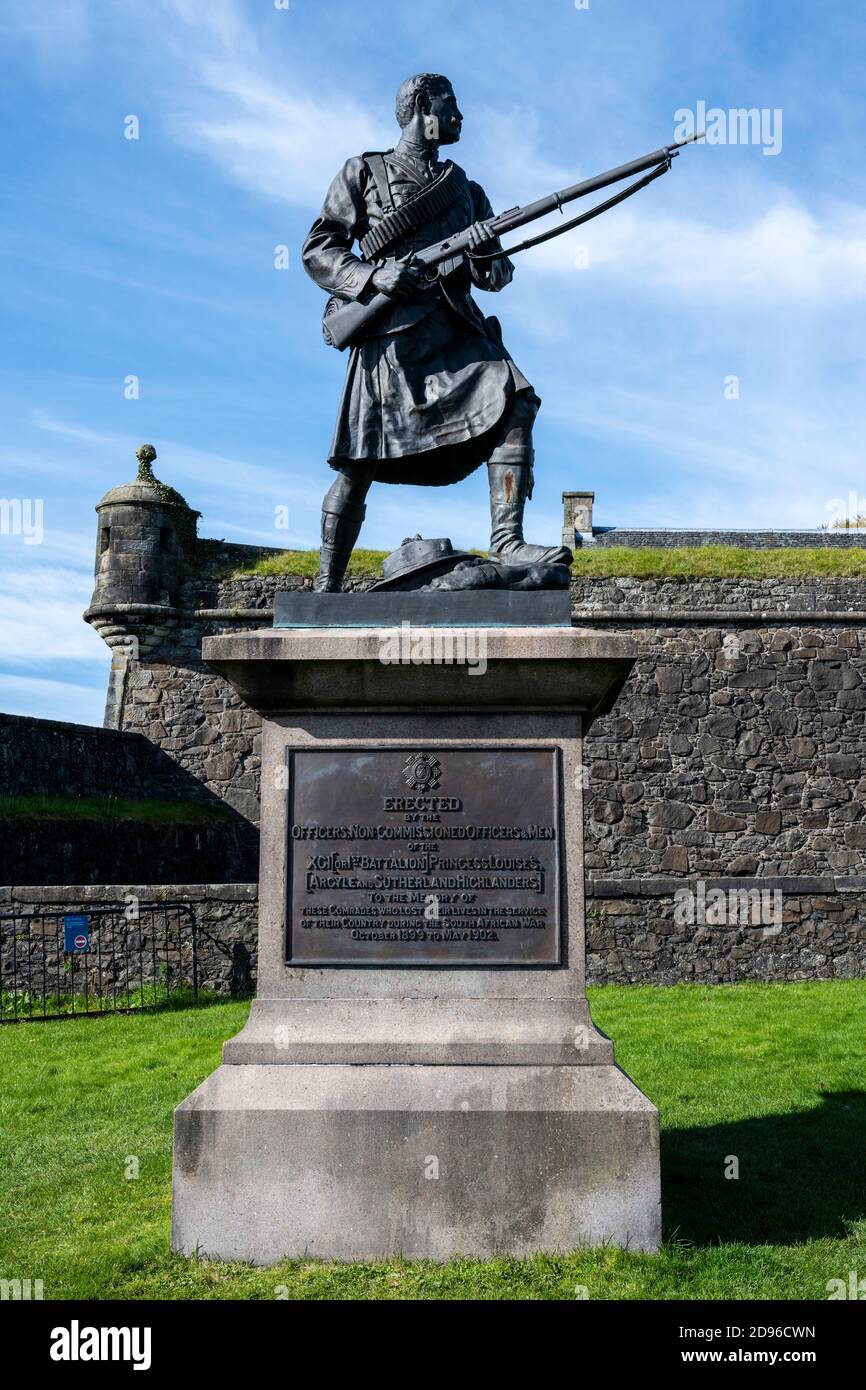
<point x="427" y="109"/>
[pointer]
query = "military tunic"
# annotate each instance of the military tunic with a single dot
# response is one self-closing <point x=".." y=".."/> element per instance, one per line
<point x="427" y="393"/>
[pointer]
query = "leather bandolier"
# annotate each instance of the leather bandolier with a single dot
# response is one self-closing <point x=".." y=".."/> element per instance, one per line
<point x="416" y="222"/>
<point x="415" y="213"/>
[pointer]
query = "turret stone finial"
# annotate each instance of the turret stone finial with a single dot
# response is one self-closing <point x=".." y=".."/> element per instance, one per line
<point x="145" y="453"/>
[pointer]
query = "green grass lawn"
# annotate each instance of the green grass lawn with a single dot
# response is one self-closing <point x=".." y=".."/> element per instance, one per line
<point x="620" y="561"/>
<point x="20" y="1006"/>
<point x="771" y="1074"/>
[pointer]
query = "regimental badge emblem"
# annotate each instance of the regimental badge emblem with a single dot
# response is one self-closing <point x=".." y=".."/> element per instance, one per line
<point x="422" y="773"/>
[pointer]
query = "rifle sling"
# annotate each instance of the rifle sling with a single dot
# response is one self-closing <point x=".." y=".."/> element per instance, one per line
<point x="575" y="221"/>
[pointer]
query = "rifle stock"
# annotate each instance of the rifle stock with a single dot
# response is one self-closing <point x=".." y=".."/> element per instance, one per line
<point x="348" y="324"/>
<point x="344" y="325"/>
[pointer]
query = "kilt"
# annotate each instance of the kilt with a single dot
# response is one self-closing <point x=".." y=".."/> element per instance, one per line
<point x="426" y="404"/>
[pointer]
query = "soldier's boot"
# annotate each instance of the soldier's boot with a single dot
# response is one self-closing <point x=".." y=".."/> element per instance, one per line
<point x="342" y="519"/>
<point x="510" y="486"/>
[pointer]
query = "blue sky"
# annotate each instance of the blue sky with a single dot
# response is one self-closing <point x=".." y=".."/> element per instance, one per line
<point x="155" y="257"/>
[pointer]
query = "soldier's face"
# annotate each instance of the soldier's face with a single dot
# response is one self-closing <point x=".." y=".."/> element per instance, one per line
<point x="444" y="117"/>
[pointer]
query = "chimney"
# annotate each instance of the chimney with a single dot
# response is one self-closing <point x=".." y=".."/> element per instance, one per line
<point x="577" y="518"/>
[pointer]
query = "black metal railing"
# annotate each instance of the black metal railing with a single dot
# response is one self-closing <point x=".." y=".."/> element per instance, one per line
<point x="101" y="960"/>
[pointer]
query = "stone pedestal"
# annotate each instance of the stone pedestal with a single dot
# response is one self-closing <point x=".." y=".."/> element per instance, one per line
<point x="419" y="1074"/>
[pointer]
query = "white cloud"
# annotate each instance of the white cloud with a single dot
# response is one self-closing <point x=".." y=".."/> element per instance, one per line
<point x="786" y="253"/>
<point x="64" y="700"/>
<point x="180" y="463"/>
<point x="508" y="158"/>
<point x="264" y="129"/>
<point x="287" y="147"/>
<point x="40" y="617"/>
<point x="272" y="133"/>
<point x="43" y="420"/>
<point x="269" y="133"/>
<point x="736" y="464"/>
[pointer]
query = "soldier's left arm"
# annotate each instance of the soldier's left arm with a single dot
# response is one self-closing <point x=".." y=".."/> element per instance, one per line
<point x="488" y="275"/>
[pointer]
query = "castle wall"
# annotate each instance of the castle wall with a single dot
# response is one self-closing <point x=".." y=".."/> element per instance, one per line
<point x="225" y="914"/>
<point x="48" y="757"/>
<point x="630" y="939"/>
<point x="735" y="753"/>
<point x="735" y="749"/>
<point x="736" y="746"/>
<point x="87" y="843"/>
<point x="839" y="538"/>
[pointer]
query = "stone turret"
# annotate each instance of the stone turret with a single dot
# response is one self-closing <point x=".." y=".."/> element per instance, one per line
<point x="146" y="536"/>
<point x="146" y="532"/>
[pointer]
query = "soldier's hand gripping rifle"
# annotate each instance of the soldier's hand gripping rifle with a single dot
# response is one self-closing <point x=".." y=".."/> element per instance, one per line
<point x="349" y="324"/>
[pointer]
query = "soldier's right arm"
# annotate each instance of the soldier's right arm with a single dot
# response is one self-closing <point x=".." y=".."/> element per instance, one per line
<point x="327" y="254"/>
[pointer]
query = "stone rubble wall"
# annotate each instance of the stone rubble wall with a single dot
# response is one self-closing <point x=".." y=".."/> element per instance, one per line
<point x="787" y="929"/>
<point x="633" y="937"/>
<point x="52" y="849"/>
<point x="650" y="600"/>
<point x="225" y="915"/>
<point x="839" y="538"/>
<point x="44" y="757"/>
<point x="47" y="757"/>
<point x="732" y="751"/>
<point x="735" y="746"/>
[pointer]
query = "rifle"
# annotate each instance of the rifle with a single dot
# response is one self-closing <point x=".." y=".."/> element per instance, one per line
<point x="348" y="324"/>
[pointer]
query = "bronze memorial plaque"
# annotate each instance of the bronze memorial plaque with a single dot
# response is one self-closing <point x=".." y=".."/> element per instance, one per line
<point x="424" y="856"/>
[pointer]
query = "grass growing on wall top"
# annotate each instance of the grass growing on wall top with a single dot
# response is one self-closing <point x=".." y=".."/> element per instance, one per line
<point x="771" y="1075"/>
<point x="111" y="809"/>
<point x="305" y="563"/>
<point x="635" y="562"/>
<point x="719" y="562"/>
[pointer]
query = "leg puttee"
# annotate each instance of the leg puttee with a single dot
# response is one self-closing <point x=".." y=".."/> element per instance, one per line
<point x="343" y="513"/>
<point x="510" y="472"/>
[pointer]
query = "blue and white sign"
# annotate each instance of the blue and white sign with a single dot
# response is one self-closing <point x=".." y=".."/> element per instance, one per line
<point x="76" y="931"/>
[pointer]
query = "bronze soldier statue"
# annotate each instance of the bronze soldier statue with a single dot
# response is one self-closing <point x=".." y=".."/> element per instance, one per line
<point x="431" y="391"/>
